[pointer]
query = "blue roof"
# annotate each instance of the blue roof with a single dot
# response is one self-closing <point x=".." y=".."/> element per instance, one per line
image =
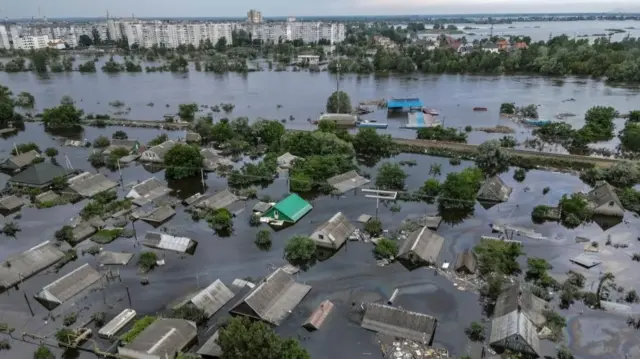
<point x="404" y="103"/>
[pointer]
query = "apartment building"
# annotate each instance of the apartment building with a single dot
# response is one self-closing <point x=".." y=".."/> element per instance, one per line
<point x="31" y="42"/>
<point x="5" y="43"/>
<point x="254" y="17"/>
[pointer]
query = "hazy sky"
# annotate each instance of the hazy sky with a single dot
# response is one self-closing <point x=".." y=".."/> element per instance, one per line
<point x="236" y="8"/>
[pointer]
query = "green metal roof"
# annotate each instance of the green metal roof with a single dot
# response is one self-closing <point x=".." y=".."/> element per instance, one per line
<point x="292" y="207"/>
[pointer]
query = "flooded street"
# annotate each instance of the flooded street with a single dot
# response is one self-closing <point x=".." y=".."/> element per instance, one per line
<point x="351" y="275"/>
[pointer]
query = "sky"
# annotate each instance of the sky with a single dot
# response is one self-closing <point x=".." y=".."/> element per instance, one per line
<point x="238" y="8"/>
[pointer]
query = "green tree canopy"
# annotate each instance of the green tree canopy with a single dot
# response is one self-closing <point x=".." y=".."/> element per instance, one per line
<point x="630" y="137"/>
<point x="64" y="116"/>
<point x="25" y="100"/>
<point x="492" y="159"/>
<point x="183" y="161"/>
<point x="386" y="248"/>
<point x="186" y="111"/>
<point x="369" y="144"/>
<point x="300" y="250"/>
<point x="315" y="143"/>
<point x="339" y="102"/>
<point x="391" y="177"/>
<point x="498" y="257"/>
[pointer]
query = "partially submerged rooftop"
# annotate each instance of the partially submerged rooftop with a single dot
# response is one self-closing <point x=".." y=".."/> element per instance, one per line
<point x="147" y="191"/>
<point x="290" y="209"/>
<point x="286" y="160"/>
<point x="20" y="161"/>
<point x="39" y="175"/>
<point x="106" y="258"/>
<point x="514" y="331"/>
<point x="159" y="215"/>
<point x="222" y="199"/>
<point x="399" y="323"/>
<point x="494" y="190"/>
<point x="272" y="299"/>
<point x="69" y="285"/>
<point x="518" y="297"/>
<point x="90" y="184"/>
<point x="347" y="181"/>
<point x="211" y="349"/>
<point x="21" y="266"/>
<point x="422" y="245"/>
<point x="466" y="262"/>
<point x="168" y="242"/>
<point x="603" y="200"/>
<point x="164" y="338"/>
<point x="11" y="203"/>
<point x="587" y="260"/>
<point x="212" y="298"/>
<point x="333" y="233"/>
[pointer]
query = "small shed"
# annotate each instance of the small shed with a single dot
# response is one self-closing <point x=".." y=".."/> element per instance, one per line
<point x="222" y="199"/>
<point x="212" y="160"/>
<point x="11" y="203"/>
<point x="159" y="215"/>
<point x="603" y="200"/>
<point x="333" y="233"/>
<point x="290" y="209"/>
<point x="399" y="323"/>
<point x="193" y="199"/>
<point x="347" y="181"/>
<point x="164" y="338"/>
<point x="261" y="207"/>
<point x="19" y="267"/>
<point x="494" y="190"/>
<point x="148" y="191"/>
<point x="586" y="260"/>
<point x="212" y="298"/>
<point x="39" y="175"/>
<point x="272" y="299"/>
<point x="210" y="349"/>
<point x="48" y="196"/>
<point x="116" y="324"/>
<point x="169" y="243"/>
<point x="432" y="222"/>
<point x="421" y="247"/>
<point x="317" y="318"/>
<point x="515" y="332"/>
<point x="81" y="232"/>
<point x="68" y="286"/>
<point x="466" y="262"/>
<point x="286" y="160"/>
<point x="90" y="184"/>
<point x="108" y="258"/>
<point x="20" y="161"/>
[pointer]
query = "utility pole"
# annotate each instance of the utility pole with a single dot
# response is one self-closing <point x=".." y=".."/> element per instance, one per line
<point x="378" y="195"/>
<point x="128" y="296"/>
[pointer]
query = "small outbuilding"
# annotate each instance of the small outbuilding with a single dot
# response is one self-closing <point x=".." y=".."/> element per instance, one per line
<point x="163" y="339"/>
<point x="333" y="233"/>
<point x="116" y="324"/>
<point x="422" y="247"/>
<point x="261" y="207"/>
<point x="169" y="243"/>
<point x="222" y="199"/>
<point x="604" y="201"/>
<point x="90" y="184"/>
<point x="514" y="331"/>
<point x="68" y="286"/>
<point x="148" y="191"/>
<point x="586" y="260"/>
<point x="39" y="175"/>
<point x="289" y="210"/>
<point x="48" y="196"/>
<point x="20" y="161"/>
<point x="466" y="262"/>
<point x="318" y="316"/>
<point x="19" y="267"/>
<point x="399" y="323"/>
<point x="493" y="191"/>
<point x="156" y="153"/>
<point x="212" y="160"/>
<point x="272" y="299"/>
<point x="11" y="203"/>
<point x="192" y="137"/>
<point x="212" y="298"/>
<point x="286" y="160"/>
<point x="347" y="181"/>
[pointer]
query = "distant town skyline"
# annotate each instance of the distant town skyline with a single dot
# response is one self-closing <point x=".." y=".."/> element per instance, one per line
<point x="239" y="8"/>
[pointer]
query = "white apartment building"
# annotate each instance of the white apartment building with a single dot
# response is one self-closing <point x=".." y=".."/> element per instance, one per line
<point x="31" y="42"/>
<point x="254" y="17"/>
<point x="4" y="38"/>
<point x="172" y="35"/>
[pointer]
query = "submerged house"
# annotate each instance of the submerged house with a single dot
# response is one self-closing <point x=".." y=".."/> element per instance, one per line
<point x="604" y="201"/>
<point x="466" y="262"/>
<point x="272" y="299"/>
<point x="212" y="160"/>
<point x="493" y="191"/>
<point x="212" y="298"/>
<point x="156" y="153"/>
<point x="399" y="323"/>
<point x="88" y="185"/>
<point x="340" y="119"/>
<point x="286" y="160"/>
<point x="20" y="161"/>
<point x="169" y="243"/>
<point x="515" y="332"/>
<point x="347" y="181"/>
<point x="39" y="175"/>
<point x="147" y="191"/>
<point x="10" y="203"/>
<point x="128" y="145"/>
<point x="289" y="210"/>
<point x="333" y="233"/>
<point x="164" y="338"/>
<point x="19" y="267"/>
<point x="222" y="199"/>
<point x="422" y="247"/>
<point x="518" y="298"/>
<point x="68" y="286"/>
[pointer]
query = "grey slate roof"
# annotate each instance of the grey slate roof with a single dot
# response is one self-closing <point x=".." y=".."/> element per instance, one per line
<point x="212" y="159"/>
<point x="467" y="262"/>
<point x="222" y="199"/>
<point x="512" y="330"/>
<point x="493" y="189"/>
<point x="334" y="232"/>
<point x="48" y="196"/>
<point x="423" y="244"/>
<point x="399" y="323"/>
<point x="114" y="258"/>
<point x="273" y="298"/>
<point x="20" y="161"/>
<point x="347" y="181"/>
<point x="159" y="214"/>
<point x="89" y="185"/>
<point x="148" y="191"/>
<point x="286" y="160"/>
<point x="604" y="200"/>
<point x="11" y="203"/>
<point x="162" y="149"/>
<point x="210" y="348"/>
<point x="212" y="298"/>
<point x="117" y="143"/>
<point x="39" y="175"/>
<point x="162" y="339"/>
<point x="518" y="297"/>
<point x="21" y="266"/>
<point x="71" y="284"/>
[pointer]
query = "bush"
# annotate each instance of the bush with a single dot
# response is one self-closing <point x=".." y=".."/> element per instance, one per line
<point x="99" y="318"/>
<point x="101" y="142"/>
<point x="25" y="147"/>
<point x="51" y="152"/>
<point x="64" y="234"/>
<point x="221" y="220"/>
<point x="147" y="261"/>
<point x="475" y="332"/>
<point x="300" y="250"/>
<point x="11" y="229"/>
<point x="373" y="227"/>
<point x="263" y="239"/>
<point x="119" y="135"/>
<point x="520" y="174"/>
<point x="254" y="220"/>
<point x="43" y="353"/>
<point x="70" y="319"/>
<point x="386" y="248"/>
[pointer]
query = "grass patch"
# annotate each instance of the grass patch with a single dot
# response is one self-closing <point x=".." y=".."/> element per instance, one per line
<point x="105" y="236"/>
<point x="140" y="325"/>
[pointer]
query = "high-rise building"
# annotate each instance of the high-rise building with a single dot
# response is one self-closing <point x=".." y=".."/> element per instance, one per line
<point x="31" y="42"/>
<point x="4" y="38"/>
<point x="254" y="16"/>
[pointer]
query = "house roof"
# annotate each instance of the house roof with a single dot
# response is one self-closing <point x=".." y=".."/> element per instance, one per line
<point x="315" y="320"/>
<point x="21" y="266"/>
<point x="603" y="194"/>
<point x="212" y="159"/>
<point x="514" y="323"/>
<point x="148" y="190"/>
<point x="159" y="214"/>
<point x="423" y="243"/>
<point x="261" y="207"/>
<point x="292" y="207"/>
<point x="518" y="297"/>
<point x="11" y="202"/>
<point x="69" y="285"/>
<point x="21" y="160"/>
<point x="89" y="185"/>
<point x="40" y="174"/>
<point x="347" y="181"/>
<point x="162" y="149"/>
<point x="163" y="338"/>
<point x="587" y="260"/>
<point x="399" y="323"/>
<point x="117" y="143"/>
<point x="114" y="258"/>
<point x="192" y="137"/>
<point x="334" y="232"/>
<point x="274" y="297"/>
<point x="222" y="199"/>
<point x="466" y="260"/>
<point x="117" y="323"/>
<point x="168" y="242"/>
<point x="211" y="348"/>
<point x="494" y="189"/>
<point x="212" y="298"/>
<point x="286" y="159"/>
<point x="48" y="196"/>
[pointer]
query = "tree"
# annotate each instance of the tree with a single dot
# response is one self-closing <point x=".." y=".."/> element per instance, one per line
<point x="263" y="239"/>
<point x="51" y="152"/>
<point x="537" y="272"/>
<point x="498" y="257"/>
<point x="183" y="161"/>
<point x="390" y="177"/>
<point x="62" y="117"/>
<point x="634" y="116"/>
<point x="630" y="137"/>
<point x="221" y="220"/>
<point x="300" y="250"/>
<point x="430" y="190"/>
<point x="85" y="40"/>
<point x="242" y="338"/>
<point x="43" y="353"/>
<point x="574" y="209"/>
<point x="268" y="132"/>
<point x="39" y="61"/>
<point x="25" y="147"/>
<point x="99" y="318"/>
<point x="631" y="297"/>
<point x="475" y="332"/>
<point x="339" y="102"/>
<point x="25" y="100"/>
<point x="373" y="227"/>
<point x="221" y="44"/>
<point x="564" y="353"/>
<point x="508" y="108"/>
<point x="95" y="36"/>
<point x="187" y="111"/>
<point x="119" y="135"/>
<point x="461" y="187"/>
<point x="64" y="234"/>
<point x="369" y="144"/>
<point x="147" y="261"/>
<point x="491" y="159"/>
<point x="101" y="142"/>
<point x="606" y="278"/>
<point x="386" y="248"/>
<point x="520" y="174"/>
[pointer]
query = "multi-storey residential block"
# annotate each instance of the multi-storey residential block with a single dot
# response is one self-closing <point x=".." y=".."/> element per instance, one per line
<point x="4" y="38"/>
<point x="31" y="42"/>
<point x="254" y="17"/>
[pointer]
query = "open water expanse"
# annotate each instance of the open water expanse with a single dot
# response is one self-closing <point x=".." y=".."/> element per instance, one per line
<point x="352" y="274"/>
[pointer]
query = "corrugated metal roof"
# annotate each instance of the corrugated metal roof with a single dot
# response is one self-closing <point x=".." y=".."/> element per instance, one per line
<point x="89" y="185"/>
<point x="514" y="324"/>
<point x="22" y="160"/>
<point x="424" y="244"/>
<point x="71" y="284"/>
<point x="399" y="323"/>
<point x="261" y="207"/>
<point x="334" y="232"/>
<point x="21" y="266"/>
<point x="213" y="297"/>
<point x="293" y="207"/>
<point x="106" y="258"/>
<point x="159" y="214"/>
<point x="517" y="297"/>
<point x="167" y="242"/>
<point x="347" y="181"/>
<point x="164" y="338"/>
<point x="149" y="190"/>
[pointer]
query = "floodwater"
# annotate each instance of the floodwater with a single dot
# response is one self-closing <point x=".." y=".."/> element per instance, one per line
<point x="350" y="276"/>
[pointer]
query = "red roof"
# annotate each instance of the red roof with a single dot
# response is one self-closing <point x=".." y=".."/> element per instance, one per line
<point x="520" y="45"/>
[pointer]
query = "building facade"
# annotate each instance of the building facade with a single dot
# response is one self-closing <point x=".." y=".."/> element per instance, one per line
<point x="4" y="38"/>
<point x="254" y="17"/>
<point x="31" y="42"/>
